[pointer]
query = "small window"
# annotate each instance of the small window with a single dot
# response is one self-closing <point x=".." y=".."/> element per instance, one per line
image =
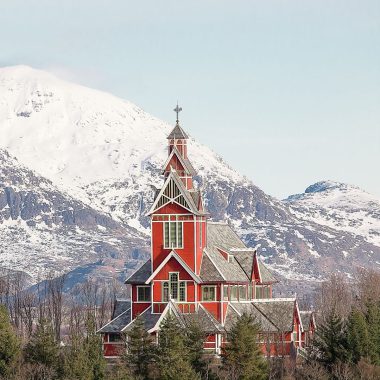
<point x="242" y="293"/>
<point x="114" y="338"/>
<point x="233" y="292"/>
<point x="250" y="291"/>
<point x="173" y="278"/>
<point x="225" y="292"/>
<point x="182" y="291"/>
<point x="173" y="235"/>
<point x="262" y="291"/>
<point x="230" y="258"/>
<point x="208" y="293"/>
<point x="143" y="293"/>
<point x="165" y="292"/>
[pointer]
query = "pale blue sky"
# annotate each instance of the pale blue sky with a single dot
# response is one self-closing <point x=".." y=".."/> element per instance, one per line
<point x="287" y="91"/>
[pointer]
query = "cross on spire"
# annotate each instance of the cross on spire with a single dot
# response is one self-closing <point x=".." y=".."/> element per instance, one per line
<point x="177" y="110"/>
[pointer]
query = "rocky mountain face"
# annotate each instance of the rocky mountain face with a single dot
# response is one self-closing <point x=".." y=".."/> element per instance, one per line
<point x="43" y="229"/>
<point x="99" y="161"/>
<point x="340" y="206"/>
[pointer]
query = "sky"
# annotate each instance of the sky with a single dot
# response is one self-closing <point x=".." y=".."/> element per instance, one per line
<point x="288" y="92"/>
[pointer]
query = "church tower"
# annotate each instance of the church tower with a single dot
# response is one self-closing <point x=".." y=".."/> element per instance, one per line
<point x="179" y="229"/>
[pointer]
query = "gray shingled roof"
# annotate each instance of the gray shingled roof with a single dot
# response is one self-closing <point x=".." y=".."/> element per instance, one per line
<point x="209" y="272"/>
<point x="245" y="259"/>
<point x="248" y="308"/>
<point x="117" y="324"/>
<point x="223" y="237"/>
<point x="279" y="311"/>
<point x="272" y="315"/>
<point x="148" y="318"/>
<point x="141" y="275"/>
<point x="178" y="133"/>
<point x="121" y="305"/>
<point x="266" y="274"/>
<point x="206" y="321"/>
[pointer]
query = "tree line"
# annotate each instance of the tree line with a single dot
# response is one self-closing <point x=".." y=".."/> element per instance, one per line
<point x="49" y="334"/>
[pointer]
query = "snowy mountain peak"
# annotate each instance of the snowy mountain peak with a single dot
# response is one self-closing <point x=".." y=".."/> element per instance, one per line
<point x="87" y="135"/>
<point x="327" y="185"/>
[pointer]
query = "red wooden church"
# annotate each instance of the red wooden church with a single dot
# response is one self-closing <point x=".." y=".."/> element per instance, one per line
<point x="202" y="270"/>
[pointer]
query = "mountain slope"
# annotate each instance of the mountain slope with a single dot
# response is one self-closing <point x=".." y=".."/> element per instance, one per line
<point x="108" y="153"/>
<point x="43" y="229"/>
<point x="340" y="206"/>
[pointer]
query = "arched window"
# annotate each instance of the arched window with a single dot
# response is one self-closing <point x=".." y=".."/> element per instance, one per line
<point x="165" y="292"/>
<point x="174" y="288"/>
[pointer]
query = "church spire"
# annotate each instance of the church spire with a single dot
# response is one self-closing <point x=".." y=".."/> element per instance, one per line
<point x="178" y="133"/>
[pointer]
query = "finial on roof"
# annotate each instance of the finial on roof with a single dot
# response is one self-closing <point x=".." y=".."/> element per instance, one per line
<point x="178" y="132"/>
<point x="177" y="110"/>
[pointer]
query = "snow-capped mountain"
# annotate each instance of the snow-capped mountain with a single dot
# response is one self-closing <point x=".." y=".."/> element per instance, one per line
<point x="102" y="151"/>
<point x="43" y="229"/>
<point x="340" y="206"/>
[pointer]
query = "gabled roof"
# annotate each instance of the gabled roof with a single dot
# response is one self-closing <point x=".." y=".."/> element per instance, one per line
<point x="174" y="254"/>
<point x="205" y="319"/>
<point x="184" y="161"/>
<point x="118" y="323"/>
<point x="149" y="319"/>
<point x="222" y="238"/>
<point x="182" y="189"/>
<point x="178" y="133"/>
<point x="141" y="274"/>
<point x="209" y="272"/>
<point x="273" y="315"/>
<point x="120" y="306"/>
<point x="280" y="311"/>
<point x="236" y="309"/>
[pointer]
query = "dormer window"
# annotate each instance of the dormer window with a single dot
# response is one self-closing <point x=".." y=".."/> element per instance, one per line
<point x="173" y="234"/>
<point x="230" y="258"/>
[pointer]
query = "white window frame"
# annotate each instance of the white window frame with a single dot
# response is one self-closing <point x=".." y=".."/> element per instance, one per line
<point x="145" y="287"/>
<point x="168" y="246"/>
<point x="215" y="292"/>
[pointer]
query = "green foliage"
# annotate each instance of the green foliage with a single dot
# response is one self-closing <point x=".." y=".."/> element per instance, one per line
<point x="359" y="343"/>
<point x="9" y="344"/>
<point x="84" y="357"/>
<point x="140" y="351"/>
<point x="331" y="341"/>
<point x="194" y="340"/>
<point x="242" y="357"/>
<point x="373" y="325"/>
<point x="173" y="357"/>
<point x="42" y="347"/>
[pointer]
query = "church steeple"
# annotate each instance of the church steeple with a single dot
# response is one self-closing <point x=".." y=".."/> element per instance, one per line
<point x="178" y="137"/>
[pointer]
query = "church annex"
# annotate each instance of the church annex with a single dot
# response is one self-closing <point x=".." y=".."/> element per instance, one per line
<point x="202" y="270"/>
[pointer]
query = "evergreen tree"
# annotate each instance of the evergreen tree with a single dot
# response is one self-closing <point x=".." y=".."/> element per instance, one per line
<point x="42" y="347"/>
<point x="331" y="341"/>
<point x="9" y="344"/>
<point x="140" y="350"/>
<point x="195" y="338"/>
<point x="359" y="343"/>
<point x="242" y="357"/>
<point x="173" y="357"/>
<point x="373" y="323"/>
<point x="93" y="347"/>
<point x="84" y="358"/>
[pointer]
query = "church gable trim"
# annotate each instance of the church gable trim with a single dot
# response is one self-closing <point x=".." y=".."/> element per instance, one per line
<point x="174" y="191"/>
<point x="184" y="162"/>
<point x="174" y="255"/>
